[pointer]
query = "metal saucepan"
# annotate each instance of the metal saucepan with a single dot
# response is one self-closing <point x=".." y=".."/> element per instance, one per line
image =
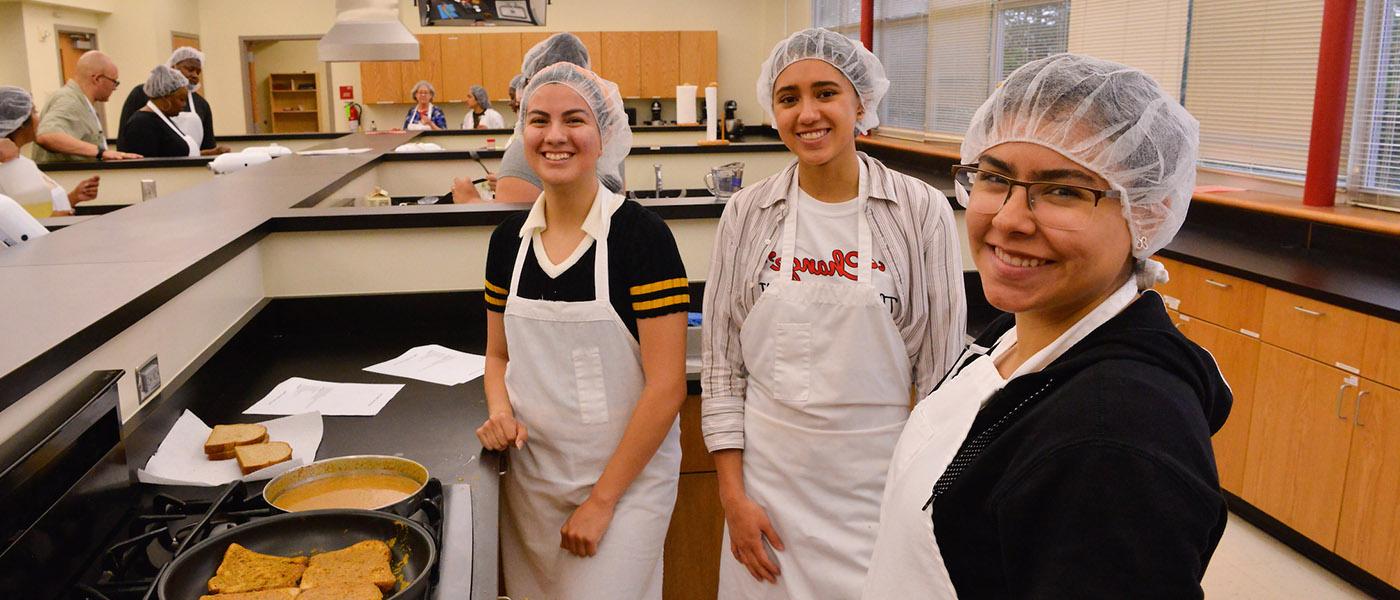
<point x="350" y="466"/>
<point x="413" y="553"/>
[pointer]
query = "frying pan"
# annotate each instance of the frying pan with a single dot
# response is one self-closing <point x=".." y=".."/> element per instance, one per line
<point x="413" y="552"/>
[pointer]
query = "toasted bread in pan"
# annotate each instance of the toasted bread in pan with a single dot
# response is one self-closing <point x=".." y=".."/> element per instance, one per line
<point x="367" y="561"/>
<point x="243" y="570"/>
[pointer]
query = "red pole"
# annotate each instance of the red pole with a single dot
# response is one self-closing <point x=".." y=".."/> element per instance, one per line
<point x="1329" y="102"/>
<point x="867" y="24"/>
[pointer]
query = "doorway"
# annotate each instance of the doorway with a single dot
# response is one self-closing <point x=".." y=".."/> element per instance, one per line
<point x="73" y="42"/>
<point x="286" y="87"/>
<point x="178" y="40"/>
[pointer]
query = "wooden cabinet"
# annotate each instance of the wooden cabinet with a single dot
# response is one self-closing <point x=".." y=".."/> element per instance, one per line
<point x="1299" y="438"/>
<point x="621" y="61"/>
<point x="1171" y="290"/>
<point x="691" y="570"/>
<point x="461" y="59"/>
<point x="382" y="82"/>
<point x="593" y="40"/>
<point x="1369" y="532"/>
<point x="1381" y="360"/>
<point x="427" y="68"/>
<point x="695" y="458"/>
<point x="1237" y="355"/>
<point x="1229" y="302"/>
<point x="500" y="62"/>
<point x="698" y="58"/>
<point x="1327" y="333"/>
<point x="294" y="100"/>
<point x="660" y="63"/>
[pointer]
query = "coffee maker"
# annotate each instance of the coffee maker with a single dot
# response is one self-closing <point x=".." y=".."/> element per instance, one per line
<point x="656" y="111"/>
<point x="734" y="126"/>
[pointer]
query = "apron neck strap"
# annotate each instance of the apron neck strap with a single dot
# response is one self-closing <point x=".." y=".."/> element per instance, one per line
<point x="602" y="288"/>
<point x="864" y="254"/>
<point x="171" y="124"/>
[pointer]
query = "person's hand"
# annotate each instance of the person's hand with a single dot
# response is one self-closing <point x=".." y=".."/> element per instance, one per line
<point x="501" y="431"/>
<point x="491" y="181"/>
<point x="8" y="150"/>
<point x="585" y="528"/>
<point x="119" y="155"/>
<point x="215" y="151"/>
<point x="748" y="526"/>
<point x="481" y="126"/>
<point x="464" y="191"/>
<point x="84" y="191"/>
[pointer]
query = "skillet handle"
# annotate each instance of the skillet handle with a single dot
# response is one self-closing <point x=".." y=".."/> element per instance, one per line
<point x="500" y="458"/>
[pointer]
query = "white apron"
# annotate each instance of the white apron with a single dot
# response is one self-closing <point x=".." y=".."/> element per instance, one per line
<point x="828" y="392"/>
<point x="908" y="562"/>
<point x="189" y="141"/>
<point x="574" y="378"/>
<point x="415" y="123"/>
<point x="190" y="123"/>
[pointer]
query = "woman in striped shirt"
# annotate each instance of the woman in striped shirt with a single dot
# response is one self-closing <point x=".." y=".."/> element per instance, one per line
<point x="835" y="292"/>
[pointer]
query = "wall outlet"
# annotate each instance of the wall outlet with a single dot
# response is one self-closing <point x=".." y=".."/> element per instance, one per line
<point x="147" y="380"/>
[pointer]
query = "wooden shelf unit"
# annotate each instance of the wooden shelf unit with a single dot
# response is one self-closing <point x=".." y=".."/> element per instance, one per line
<point x="294" y="102"/>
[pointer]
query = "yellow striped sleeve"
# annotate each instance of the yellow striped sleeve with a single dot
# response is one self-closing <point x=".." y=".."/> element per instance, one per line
<point x="494" y="300"/>
<point x="661" y="302"/>
<point x="498" y="290"/>
<point x="665" y="284"/>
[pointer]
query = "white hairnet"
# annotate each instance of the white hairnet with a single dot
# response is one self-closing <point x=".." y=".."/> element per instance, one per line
<point x="860" y="67"/>
<point x="603" y="99"/>
<point x="184" y="53"/>
<point x="1111" y="119"/>
<point x="164" y="81"/>
<point x="422" y="83"/>
<point x="557" y="48"/>
<point x="479" y="94"/>
<point x="16" y="107"/>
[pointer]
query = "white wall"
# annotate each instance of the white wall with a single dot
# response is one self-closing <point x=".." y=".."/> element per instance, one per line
<point x="14" y="69"/>
<point x="289" y="56"/>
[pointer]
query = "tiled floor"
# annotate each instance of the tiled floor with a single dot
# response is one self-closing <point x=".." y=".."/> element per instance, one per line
<point x="1251" y="564"/>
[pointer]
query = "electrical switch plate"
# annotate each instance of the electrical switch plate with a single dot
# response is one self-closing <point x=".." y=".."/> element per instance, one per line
<point x="148" y="379"/>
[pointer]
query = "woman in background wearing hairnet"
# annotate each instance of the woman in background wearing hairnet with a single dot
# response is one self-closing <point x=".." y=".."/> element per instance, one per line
<point x="424" y="115"/>
<point x="481" y="115"/>
<point x="1068" y="453"/>
<point x="20" y="179"/>
<point x="586" y="302"/>
<point x="835" y="292"/>
<point x="197" y="121"/>
<point x="151" y="131"/>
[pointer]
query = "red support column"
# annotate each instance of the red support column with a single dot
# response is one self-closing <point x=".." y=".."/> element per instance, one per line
<point x="867" y="24"/>
<point x="1329" y="102"/>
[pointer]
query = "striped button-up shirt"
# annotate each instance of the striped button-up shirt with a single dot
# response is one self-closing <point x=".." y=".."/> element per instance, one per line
<point x="912" y="228"/>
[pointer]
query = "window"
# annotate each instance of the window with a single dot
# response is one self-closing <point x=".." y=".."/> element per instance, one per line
<point x="1375" y="136"/>
<point x="1029" y="33"/>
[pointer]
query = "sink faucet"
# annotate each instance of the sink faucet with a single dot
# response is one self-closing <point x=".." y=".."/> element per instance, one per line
<point x="657" y="168"/>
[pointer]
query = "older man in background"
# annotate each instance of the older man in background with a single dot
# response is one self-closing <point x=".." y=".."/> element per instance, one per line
<point x="69" y="129"/>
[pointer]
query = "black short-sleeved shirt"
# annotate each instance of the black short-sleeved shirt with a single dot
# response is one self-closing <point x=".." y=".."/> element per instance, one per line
<point x="645" y="270"/>
<point x="137" y="99"/>
<point x="145" y="133"/>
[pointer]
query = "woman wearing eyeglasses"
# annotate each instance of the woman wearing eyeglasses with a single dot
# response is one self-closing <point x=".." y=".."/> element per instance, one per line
<point x="1067" y="454"/>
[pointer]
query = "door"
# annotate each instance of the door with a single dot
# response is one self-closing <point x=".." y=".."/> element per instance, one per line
<point x="1299" y="438"/>
<point x="1369" y="534"/>
<point x="461" y="59"/>
<point x="1237" y="355"/>
<point x="71" y="46"/>
<point x="179" y="40"/>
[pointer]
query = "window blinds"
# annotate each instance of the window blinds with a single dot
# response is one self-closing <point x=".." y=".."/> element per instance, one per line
<point x="1148" y="35"/>
<point x="1030" y="32"/>
<point x="1374" y="153"/>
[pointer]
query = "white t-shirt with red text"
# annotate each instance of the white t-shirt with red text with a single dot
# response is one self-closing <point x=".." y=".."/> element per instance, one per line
<point x="827" y="248"/>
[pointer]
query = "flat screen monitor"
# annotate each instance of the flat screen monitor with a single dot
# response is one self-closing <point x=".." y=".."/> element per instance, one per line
<point x="482" y="13"/>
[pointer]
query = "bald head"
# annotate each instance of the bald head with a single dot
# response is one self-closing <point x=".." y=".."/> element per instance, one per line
<point x="96" y="74"/>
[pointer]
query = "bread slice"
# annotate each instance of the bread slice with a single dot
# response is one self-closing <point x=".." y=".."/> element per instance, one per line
<point x="221" y="455"/>
<point x="277" y="594"/>
<point x="260" y="456"/>
<point x="243" y="570"/>
<point x="366" y="561"/>
<point x="224" y="438"/>
<point x="358" y="590"/>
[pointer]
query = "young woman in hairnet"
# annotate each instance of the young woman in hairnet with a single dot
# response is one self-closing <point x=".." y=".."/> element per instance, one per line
<point x="424" y="115"/>
<point x="835" y="292"/>
<point x="20" y="179"/>
<point x="480" y="114"/>
<point x="585" y="358"/>
<point x="152" y="130"/>
<point x="1068" y="452"/>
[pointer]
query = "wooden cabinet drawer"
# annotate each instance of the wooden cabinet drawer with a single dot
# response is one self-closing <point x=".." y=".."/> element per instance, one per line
<point x="1381" y="360"/>
<point x="1326" y="333"/>
<point x="1229" y="302"/>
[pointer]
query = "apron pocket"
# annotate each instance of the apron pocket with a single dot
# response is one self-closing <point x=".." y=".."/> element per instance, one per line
<point x="588" y="381"/>
<point x="792" y="365"/>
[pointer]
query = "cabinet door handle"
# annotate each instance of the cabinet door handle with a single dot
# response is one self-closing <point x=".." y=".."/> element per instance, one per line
<point x="1310" y="313"/>
<point x="1223" y="286"/>
<point x="1356" y="407"/>
<point x="1341" y="391"/>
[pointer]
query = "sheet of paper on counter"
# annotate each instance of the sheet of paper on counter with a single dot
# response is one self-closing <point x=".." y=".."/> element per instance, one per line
<point x="180" y="459"/>
<point x="298" y="395"/>
<point x="333" y="151"/>
<point x="434" y="364"/>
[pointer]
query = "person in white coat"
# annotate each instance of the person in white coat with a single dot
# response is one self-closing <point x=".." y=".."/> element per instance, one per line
<point x="835" y="293"/>
<point x="480" y="115"/>
<point x="20" y="179"/>
<point x="585" y="358"/>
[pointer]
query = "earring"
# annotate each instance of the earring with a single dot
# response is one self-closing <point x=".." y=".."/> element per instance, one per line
<point x="1142" y="242"/>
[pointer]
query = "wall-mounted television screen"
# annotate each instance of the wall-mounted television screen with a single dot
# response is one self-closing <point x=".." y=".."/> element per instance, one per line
<point x="481" y="13"/>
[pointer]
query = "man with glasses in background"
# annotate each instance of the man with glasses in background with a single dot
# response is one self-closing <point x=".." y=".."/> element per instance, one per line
<point x="69" y="129"/>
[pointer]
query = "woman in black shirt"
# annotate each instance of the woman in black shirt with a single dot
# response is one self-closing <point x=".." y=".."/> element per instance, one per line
<point x="150" y="131"/>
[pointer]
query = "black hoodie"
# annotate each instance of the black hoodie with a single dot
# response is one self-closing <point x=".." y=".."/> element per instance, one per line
<point x="1093" y="478"/>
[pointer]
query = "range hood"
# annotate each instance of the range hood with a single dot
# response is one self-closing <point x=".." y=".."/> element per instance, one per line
<point x="367" y="30"/>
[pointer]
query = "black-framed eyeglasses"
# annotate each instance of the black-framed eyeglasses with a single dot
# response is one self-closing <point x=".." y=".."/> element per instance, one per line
<point x="1056" y="205"/>
<point x="115" y="82"/>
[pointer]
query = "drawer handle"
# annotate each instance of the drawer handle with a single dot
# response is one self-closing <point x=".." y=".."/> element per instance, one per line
<point x="1223" y="286"/>
<point x="1341" y="391"/>
<point x="1356" y="407"/>
<point x="1310" y="313"/>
